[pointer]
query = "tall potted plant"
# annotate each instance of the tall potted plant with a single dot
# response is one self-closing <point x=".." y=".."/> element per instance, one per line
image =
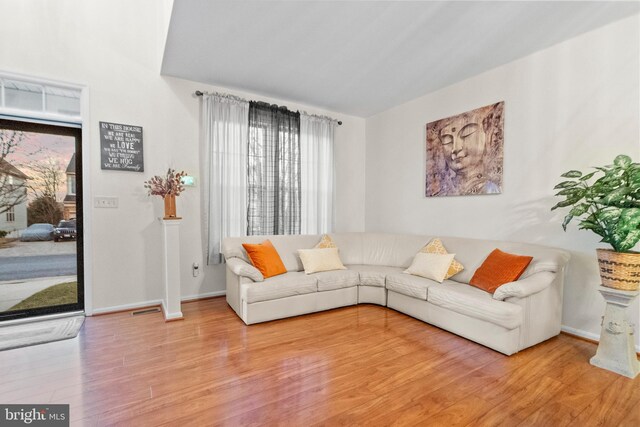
<point x="607" y="202"/>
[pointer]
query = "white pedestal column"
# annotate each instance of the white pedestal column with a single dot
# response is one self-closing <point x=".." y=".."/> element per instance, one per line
<point x="171" y="265"/>
<point x="616" y="350"/>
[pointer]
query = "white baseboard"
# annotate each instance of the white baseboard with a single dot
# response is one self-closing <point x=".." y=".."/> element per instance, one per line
<point x="125" y="307"/>
<point x="142" y="304"/>
<point x="587" y="335"/>
<point x="204" y="295"/>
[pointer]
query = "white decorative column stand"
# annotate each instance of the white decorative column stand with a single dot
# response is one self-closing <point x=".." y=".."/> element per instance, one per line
<point x="616" y="351"/>
<point x="171" y="266"/>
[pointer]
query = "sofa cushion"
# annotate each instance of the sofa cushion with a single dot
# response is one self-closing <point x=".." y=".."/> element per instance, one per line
<point x="285" y="285"/>
<point x="350" y="245"/>
<point x="325" y="242"/>
<point x="265" y="258"/>
<point x="499" y="268"/>
<point x="321" y="259"/>
<point x="412" y="286"/>
<point x="338" y="279"/>
<point x="394" y="250"/>
<point x="476" y="303"/>
<point x="430" y="266"/>
<point x="436" y="247"/>
<point x="374" y="275"/>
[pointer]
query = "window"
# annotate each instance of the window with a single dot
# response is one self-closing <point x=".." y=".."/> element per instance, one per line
<point x="71" y="184"/>
<point x="255" y="183"/>
<point x="9" y="182"/>
<point x="11" y="214"/>
<point x="22" y="95"/>
<point x="273" y="185"/>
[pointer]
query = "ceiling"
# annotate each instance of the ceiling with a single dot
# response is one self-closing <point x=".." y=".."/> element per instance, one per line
<point x="363" y="57"/>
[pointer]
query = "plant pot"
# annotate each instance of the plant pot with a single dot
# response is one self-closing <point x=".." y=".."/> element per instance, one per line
<point x="170" y="206"/>
<point x="619" y="270"/>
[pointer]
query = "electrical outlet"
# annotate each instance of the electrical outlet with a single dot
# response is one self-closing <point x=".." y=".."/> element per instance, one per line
<point x="105" y="202"/>
<point x="196" y="269"/>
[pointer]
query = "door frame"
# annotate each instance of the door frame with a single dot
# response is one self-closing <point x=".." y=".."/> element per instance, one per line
<point x="74" y="131"/>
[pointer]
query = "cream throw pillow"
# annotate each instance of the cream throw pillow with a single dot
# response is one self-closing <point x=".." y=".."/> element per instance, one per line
<point x="326" y="242"/>
<point x="316" y="260"/>
<point x="436" y="247"/>
<point x="430" y="266"/>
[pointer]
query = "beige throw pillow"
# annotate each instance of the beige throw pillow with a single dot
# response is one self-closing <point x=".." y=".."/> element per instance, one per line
<point x="436" y="247"/>
<point x="430" y="266"/>
<point x="326" y="242"/>
<point x="316" y="260"/>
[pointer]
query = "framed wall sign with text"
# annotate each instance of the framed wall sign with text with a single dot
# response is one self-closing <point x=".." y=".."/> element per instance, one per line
<point x="121" y="147"/>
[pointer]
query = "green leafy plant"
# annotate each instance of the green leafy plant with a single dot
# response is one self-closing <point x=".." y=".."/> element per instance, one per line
<point x="605" y="201"/>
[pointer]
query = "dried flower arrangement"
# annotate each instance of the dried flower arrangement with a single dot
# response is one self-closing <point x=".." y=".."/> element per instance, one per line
<point x="171" y="185"/>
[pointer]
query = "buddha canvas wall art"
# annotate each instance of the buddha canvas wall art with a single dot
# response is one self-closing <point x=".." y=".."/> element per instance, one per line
<point x="465" y="153"/>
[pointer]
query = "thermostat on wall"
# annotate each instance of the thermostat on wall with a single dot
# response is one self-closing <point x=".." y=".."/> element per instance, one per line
<point x="189" y="181"/>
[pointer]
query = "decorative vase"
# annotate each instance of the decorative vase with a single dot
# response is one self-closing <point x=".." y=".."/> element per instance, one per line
<point x="170" y="206"/>
<point x="619" y="270"/>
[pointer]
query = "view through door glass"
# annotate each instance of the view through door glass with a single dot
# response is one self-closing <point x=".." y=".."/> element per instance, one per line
<point x="40" y="220"/>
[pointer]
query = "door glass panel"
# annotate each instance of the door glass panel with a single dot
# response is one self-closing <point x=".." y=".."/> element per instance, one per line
<point x="39" y="224"/>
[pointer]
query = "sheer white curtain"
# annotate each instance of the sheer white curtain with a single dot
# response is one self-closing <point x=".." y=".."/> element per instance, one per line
<point x="316" y="158"/>
<point x="225" y="132"/>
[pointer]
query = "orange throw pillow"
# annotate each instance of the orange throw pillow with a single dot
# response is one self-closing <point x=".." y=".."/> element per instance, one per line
<point x="499" y="268"/>
<point x="265" y="258"/>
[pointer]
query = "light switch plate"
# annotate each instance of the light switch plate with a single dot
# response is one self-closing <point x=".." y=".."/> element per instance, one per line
<point x="105" y="202"/>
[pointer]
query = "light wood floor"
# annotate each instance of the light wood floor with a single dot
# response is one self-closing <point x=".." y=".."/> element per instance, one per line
<point x="361" y="365"/>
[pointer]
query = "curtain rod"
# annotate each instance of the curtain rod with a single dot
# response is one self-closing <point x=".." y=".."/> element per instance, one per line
<point x="200" y="93"/>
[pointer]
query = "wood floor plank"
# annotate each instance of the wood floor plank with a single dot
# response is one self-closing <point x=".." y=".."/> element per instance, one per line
<point x="373" y="382"/>
<point x="463" y="413"/>
<point x="632" y="418"/>
<point x="585" y="388"/>
<point x="521" y="404"/>
<point x="425" y="402"/>
<point x="551" y="414"/>
<point x="361" y="365"/>
<point x="612" y="405"/>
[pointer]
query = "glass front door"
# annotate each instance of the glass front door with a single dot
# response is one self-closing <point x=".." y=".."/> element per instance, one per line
<point x="40" y="219"/>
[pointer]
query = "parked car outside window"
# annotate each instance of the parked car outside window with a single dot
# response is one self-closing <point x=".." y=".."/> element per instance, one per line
<point x="66" y="230"/>
<point x="37" y="232"/>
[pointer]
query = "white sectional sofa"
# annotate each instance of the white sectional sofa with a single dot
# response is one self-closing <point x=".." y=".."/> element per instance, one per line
<point x="520" y="314"/>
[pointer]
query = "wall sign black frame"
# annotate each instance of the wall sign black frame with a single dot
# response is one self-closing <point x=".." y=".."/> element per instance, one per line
<point x="121" y="147"/>
<point x="76" y="133"/>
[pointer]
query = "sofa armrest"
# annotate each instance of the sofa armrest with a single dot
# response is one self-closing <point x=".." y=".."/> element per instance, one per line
<point x="244" y="269"/>
<point x="525" y="287"/>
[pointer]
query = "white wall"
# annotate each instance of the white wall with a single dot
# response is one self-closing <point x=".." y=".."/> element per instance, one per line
<point x="571" y="106"/>
<point x="114" y="47"/>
